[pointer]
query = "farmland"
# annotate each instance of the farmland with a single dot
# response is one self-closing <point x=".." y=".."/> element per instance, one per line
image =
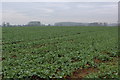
<point x="60" y="52"/>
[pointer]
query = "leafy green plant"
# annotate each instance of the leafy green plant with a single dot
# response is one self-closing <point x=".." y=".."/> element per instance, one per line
<point x="54" y="52"/>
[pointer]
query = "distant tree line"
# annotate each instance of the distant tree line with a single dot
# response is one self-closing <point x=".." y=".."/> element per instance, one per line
<point x="38" y="23"/>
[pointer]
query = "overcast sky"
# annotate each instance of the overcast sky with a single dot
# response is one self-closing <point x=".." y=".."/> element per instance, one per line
<point x="51" y="12"/>
<point x="60" y="0"/>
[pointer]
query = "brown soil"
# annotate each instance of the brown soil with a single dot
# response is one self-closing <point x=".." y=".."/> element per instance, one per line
<point x="75" y="60"/>
<point x="81" y="73"/>
<point x="99" y="61"/>
<point x="14" y="56"/>
<point x="1" y="59"/>
<point x="105" y="52"/>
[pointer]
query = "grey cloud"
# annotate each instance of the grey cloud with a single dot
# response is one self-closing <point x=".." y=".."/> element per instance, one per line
<point x="51" y="12"/>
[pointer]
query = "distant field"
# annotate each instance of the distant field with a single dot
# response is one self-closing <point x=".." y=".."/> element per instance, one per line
<point x="60" y="52"/>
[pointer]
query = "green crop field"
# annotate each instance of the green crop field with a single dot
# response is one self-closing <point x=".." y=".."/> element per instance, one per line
<point x="60" y="52"/>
